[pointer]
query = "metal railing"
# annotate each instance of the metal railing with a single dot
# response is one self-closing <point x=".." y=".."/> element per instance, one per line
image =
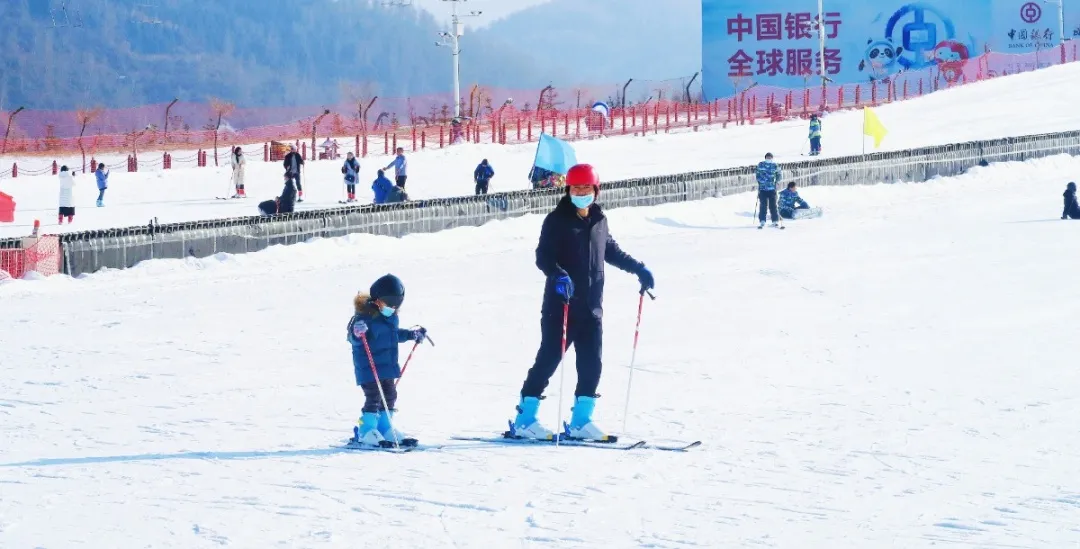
<point x="90" y="251"/>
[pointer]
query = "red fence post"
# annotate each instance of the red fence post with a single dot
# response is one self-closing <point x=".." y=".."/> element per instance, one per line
<point x="566" y="124"/>
<point x="423" y="139"/>
<point x="920" y="87"/>
<point x="129" y="164"/>
<point x="55" y="168"/>
<point x="873" y="93"/>
<point x="905" y="89"/>
<point x="165" y="161"/>
<point x="519" y="129"/>
<point x="303" y="150"/>
<point x="442" y="136"/>
<point x="93" y="164"/>
<point x="356" y="150"/>
<point x="858" y="95"/>
<point x="15" y="170"/>
<point x="529" y="135"/>
<point x="266" y="152"/>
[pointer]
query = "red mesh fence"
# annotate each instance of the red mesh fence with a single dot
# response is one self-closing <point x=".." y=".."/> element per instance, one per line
<point x="41" y="255"/>
<point x="378" y="125"/>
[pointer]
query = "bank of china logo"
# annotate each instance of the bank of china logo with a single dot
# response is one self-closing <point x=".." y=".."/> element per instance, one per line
<point x="919" y="28"/>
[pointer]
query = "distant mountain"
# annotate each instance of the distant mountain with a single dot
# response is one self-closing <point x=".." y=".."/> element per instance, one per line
<point x="597" y="42"/>
<point x="118" y="53"/>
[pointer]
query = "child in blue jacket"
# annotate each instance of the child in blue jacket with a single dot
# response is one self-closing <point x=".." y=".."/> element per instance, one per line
<point x="374" y="334"/>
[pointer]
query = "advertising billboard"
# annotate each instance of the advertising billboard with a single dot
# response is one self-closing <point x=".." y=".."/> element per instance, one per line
<point x="776" y="42"/>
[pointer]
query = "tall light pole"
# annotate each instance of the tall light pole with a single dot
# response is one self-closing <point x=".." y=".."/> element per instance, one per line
<point x="452" y="40"/>
<point x="1061" y="18"/>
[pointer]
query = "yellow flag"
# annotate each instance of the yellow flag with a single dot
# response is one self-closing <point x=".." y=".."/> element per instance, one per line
<point x="873" y="127"/>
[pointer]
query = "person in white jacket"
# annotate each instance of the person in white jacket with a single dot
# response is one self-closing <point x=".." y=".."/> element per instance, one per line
<point x="67" y="201"/>
<point x="238" y="163"/>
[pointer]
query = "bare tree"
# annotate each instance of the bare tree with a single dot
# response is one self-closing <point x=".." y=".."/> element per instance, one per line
<point x="360" y="95"/>
<point x="85" y="117"/>
<point x="220" y="109"/>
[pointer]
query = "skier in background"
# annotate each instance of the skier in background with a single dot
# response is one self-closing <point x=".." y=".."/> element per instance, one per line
<point x="574" y="245"/>
<point x="236" y="159"/>
<point x="102" y="183"/>
<point x="482" y="176"/>
<point x="1072" y="208"/>
<point x="351" y="169"/>
<point x="815" y="135"/>
<point x="768" y="175"/>
<point x="791" y="201"/>
<point x="382" y="188"/>
<point x="400" y="165"/>
<point x="67" y="200"/>
<point x="293" y="163"/>
<point x="285" y="203"/>
<point x="374" y="334"/>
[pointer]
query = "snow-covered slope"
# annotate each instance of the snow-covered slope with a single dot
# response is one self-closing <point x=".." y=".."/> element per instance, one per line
<point x="898" y="373"/>
<point x="1034" y="102"/>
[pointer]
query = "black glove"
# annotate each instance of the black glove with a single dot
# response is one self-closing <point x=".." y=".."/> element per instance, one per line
<point x="419" y="335"/>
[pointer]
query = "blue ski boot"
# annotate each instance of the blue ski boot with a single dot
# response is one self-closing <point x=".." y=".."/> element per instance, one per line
<point x="101" y="203"/>
<point x="390" y="434"/>
<point x="525" y="425"/>
<point x="366" y="433"/>
<point x="581" y="426"/>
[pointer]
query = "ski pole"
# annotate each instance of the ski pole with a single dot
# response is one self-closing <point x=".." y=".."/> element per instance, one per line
<point x="633" y="355"/>
<point x="562" y="369"/>
<point x="409" y="358"/>
<point x="382" y="395"/>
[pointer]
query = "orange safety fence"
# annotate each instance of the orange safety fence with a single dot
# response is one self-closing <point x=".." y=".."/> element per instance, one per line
<point x="377" y="126"/>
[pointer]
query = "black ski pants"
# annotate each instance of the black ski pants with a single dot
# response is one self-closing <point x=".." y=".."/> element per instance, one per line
<point x="482" y="187"/>
<point x="372" y="400"/>
<point x="585" y="332"/>
<point x="767" y="198"/>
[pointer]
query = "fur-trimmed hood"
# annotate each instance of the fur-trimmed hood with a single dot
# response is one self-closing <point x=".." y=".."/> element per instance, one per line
<point x="363" y="305"/>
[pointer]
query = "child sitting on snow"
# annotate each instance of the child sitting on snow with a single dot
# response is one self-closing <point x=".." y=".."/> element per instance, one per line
<point x="1072" y="209"/>
<point x="374" y="335"/>
<point x="791" y="201"/>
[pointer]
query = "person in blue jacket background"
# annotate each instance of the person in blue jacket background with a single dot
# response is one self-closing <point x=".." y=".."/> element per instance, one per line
<point x="815" y="135"/>
<point x="768" y="175"/>
<point x="401" y="167"/>
<point x="574" y="246"/>
<point x="791" y="201"/>
<point x="383" y="188"/>
<point x="1072" y="209"/>
<point x="482" y="176"/>
<point x="102" y="183"/>
<point x="374" y="335"/>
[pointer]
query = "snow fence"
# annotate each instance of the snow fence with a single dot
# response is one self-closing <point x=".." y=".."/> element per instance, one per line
<point x="87" y="252"/>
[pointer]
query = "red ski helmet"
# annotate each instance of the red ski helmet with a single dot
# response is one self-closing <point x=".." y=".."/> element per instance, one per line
<point x="582" y="175"/>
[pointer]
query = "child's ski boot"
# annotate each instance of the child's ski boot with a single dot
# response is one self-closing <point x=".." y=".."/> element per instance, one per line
<point x="390" y="434"/>
<point x="366" y="433"/>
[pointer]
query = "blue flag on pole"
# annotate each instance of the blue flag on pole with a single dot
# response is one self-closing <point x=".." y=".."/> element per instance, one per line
<point x="554" y="154"/>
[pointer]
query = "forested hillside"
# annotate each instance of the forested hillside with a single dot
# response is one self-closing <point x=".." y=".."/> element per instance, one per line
<point x="117" y="53"/>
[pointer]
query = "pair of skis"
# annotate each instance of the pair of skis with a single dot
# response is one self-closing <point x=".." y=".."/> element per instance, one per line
<point x="613" y="445"/>
<point x="577" y="443"/>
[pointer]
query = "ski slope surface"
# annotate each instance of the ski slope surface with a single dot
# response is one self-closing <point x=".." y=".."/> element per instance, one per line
<point x="898" y="373"/>
<point x="1028" y="103"/>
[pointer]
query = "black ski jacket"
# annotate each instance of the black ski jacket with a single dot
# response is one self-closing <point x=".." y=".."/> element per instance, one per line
<point x="580" y="247"/>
